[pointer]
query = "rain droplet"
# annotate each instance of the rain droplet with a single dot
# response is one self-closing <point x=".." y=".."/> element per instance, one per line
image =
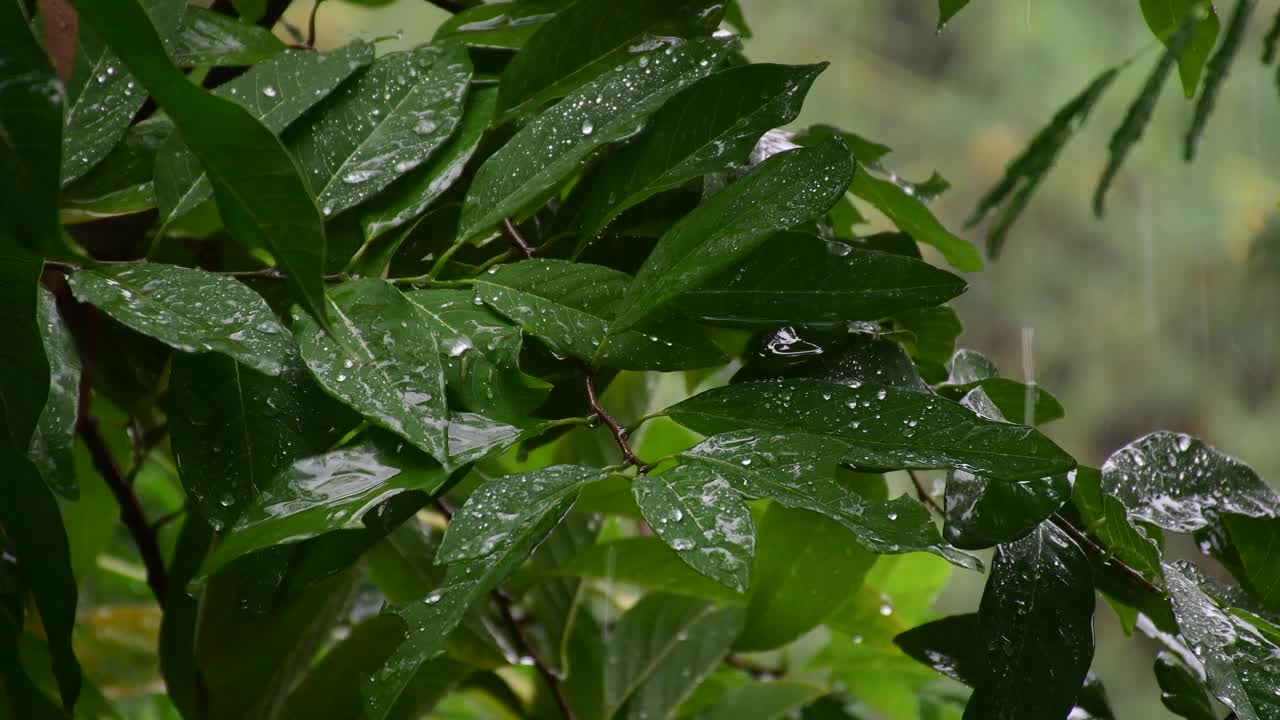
<point x="269" y="91"/>
<point x="587" y="127"/>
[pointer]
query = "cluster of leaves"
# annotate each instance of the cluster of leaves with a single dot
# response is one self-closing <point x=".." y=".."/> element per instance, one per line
<point x="347" y="336"/>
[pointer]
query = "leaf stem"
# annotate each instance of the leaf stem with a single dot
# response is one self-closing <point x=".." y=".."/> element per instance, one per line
<point x="1098" y="551"/>
<point x="504" y="603"/>
<point x="619" y="432"/>
<point x="924" y="495"/>
<point x="635" y="424"/>
<point x="517" y="239"/>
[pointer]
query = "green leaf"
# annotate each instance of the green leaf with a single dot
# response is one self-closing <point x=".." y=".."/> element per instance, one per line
<point x="276" y="93"/>
<point x="189" y="310"/>
<point x="1254" y="540"/>
<point x="325" y="493"/>
<point x="1023" y="175"/>
<point x="122" y="183"/>
<point x="233" y="431"/>
<point x="1036" y="623"/>
<point x="1105" y="518"/>
<point x="950" y="645"/>
<point x="798" y="471"/>
<point x="569" y="306"/>
<point x="769" y="700"/>
<point x="263" y="200"/>
<point x="1238" y="660"/>
<point x="1219" y="66"/>
<point x="55" y="435"/>
<point x="849" y="359"/>
<point x="177" y="641"/>
<point x="707" y="128"/>
<point x="1165" y="17"/>
<point x="806" y="567"/>
<point x="797" y="278"/>
<point x="932" y="340"/>
<point x="528" y="169"/>
<point x="103" y="105"/>
<point x="787" y="189"/>
<point x="981" y="513"/>
<point x="703" y="519"/>
<point x="913" y="217"/>
<point x="409" y="198"/>
<point x="390" y="120"/>
<point x="332" y="687"/>
<point x="1176" y="482"/>
<point x="1181" y="691"/>
<point x="381" y="360"/>
<point x="660" y="650"/>
<point x="947" y="9"/>
<point x="1270" y="41"/>
<point x="647" y="562"/>
<point x="1012" y="399"/>
<point x="431" y="620"/>
<point x="31" y="101"/>
<point x="206" y="37"/>
<point x="585" y="40"/>
<point x="884" y="427"/>
<point x="498" y="509"/>
<point x="501" y="25"/>
<point x="1139" y="113"/>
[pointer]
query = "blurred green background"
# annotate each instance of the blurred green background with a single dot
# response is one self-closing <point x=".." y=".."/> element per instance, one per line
<point x="1159" y="316"/>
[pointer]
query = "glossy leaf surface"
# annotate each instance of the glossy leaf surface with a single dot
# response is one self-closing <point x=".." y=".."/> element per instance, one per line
<point x="122" y="183"/>
<point x="505" y="25"/>
<point x="205" y="37"/>
<point x="1254" y="540"/>
<point x="912" y="217"/>
<point x="982" y="513"/>
<point x="1181" y="691"/>
<point x="55" y="435"/>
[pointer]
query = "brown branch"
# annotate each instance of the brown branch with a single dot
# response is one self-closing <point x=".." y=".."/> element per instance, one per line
<point x="619" y="432"/>
<point x="923" y="494"/>
<point x="503" y="601"/>
<point x="1098" y="551"/>
<point x="60" y="25"/>
<point x="516" y="239"/>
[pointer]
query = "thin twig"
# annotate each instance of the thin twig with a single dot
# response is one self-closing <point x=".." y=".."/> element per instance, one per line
<point x="1097" y="550"/>
<point x="516" y="239"/>
<point x="619" y="432"/>
<point x="923" y="494"/>
<point x="503" y="601"/>
<point x="311" y="24"/>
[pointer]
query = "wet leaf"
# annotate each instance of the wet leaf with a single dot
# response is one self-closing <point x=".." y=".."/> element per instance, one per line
<point x="1218" y="67"/>
<point x="1036" y="629"/>
<point x="647" y="562"/>
<point x="932" y="339"/>
<point x="502" y="506"/>
<point x="277" y="93"/>
<point x="876" y="422"/>
<point x="1012" y="398"/>
<point x="553" y="146"/>
<point x="950" y="645"/>
<point x="383" y="361"/>
<point x="1254" y="540"/>
<point x="787" y="189"/>
<point x="122" y="183"/>
<point x="849" y="359"/>
<point x="801" y="279"/>
<point x="1174" y="481"/>
<point x="581" y="43"/>
<point x="502" y="25"/>
<point x="386" y="122"/>
<point x="700" y="516"/>
<point x="1181" y="691"/>
<point x="569" y="307"/>
<point x="1165" y="17"/>
<point x="55" y="435"/>
<point x="981" y="513"/>
<point x="708" y="127"/>
<point x="205" y="37"/>
<point x="913" y="217"/>
<point x="660" y="650"/>
<point x="324" y="493"/>
<point x="189" y="310"/>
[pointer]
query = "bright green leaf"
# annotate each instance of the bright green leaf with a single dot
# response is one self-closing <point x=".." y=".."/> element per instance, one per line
<point x="1165" y="17"/>
<point x="647" y="562"/>
<point x="913" y="217"/>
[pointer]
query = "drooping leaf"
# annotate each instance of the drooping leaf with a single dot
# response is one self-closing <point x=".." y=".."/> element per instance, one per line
<point x="647" y="562"/>
<point x="528" y="169"/>
<point x="324" y="493"/>
<point x="706" y="128"/>
<point x="122" y="183"/>
<point x="1218" y="67"/>
<point x="569" y="306"/>
<point x="205" y="37"/>
<point x="587" y="38"/>
<point x="1166" y="17"/>
<point x="1139" y="113"/>
<point x="947" y="9"/>
<point x="1254" y="540"/>
<point x="1174" y="481"/>
<point x="55" y="434"/>
<point x="798" y="471"/>
<point x="102" y="107"/>
<point x="981" y="512"/>
<point x="1036" y="628"/>
<point x="431" y="619"/>
<point x="1023" y="175"/>
<point x="787" y="189"/>
<point x="409" y="198"/>
<point x="31" y="101"/>
<point x="702" y="518"/>
<point x="262" y="199"/>
<point x="1238" y="660"/>
<point x="383" y="361"/>
<point x="660" y="650"/>
<point x="390" y="120"/>
<point x="277" y="93"/>
<point x="1181" y="691"/>
<point x="802" y="279"/>
<point x="1106" y="519"/>
<point x="189" y="310"/>
<point x="234" y="430"/>
<point x="884" y="427"/>
<point x="950" y="645"/>
<point x="501" y="507"/>
<point x="501" y="25"/>
<point x="806" y="567"/>
<point x="913" y="217"/>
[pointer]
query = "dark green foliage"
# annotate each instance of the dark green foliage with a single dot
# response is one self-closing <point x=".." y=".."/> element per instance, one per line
<point x="363" y="378"/>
